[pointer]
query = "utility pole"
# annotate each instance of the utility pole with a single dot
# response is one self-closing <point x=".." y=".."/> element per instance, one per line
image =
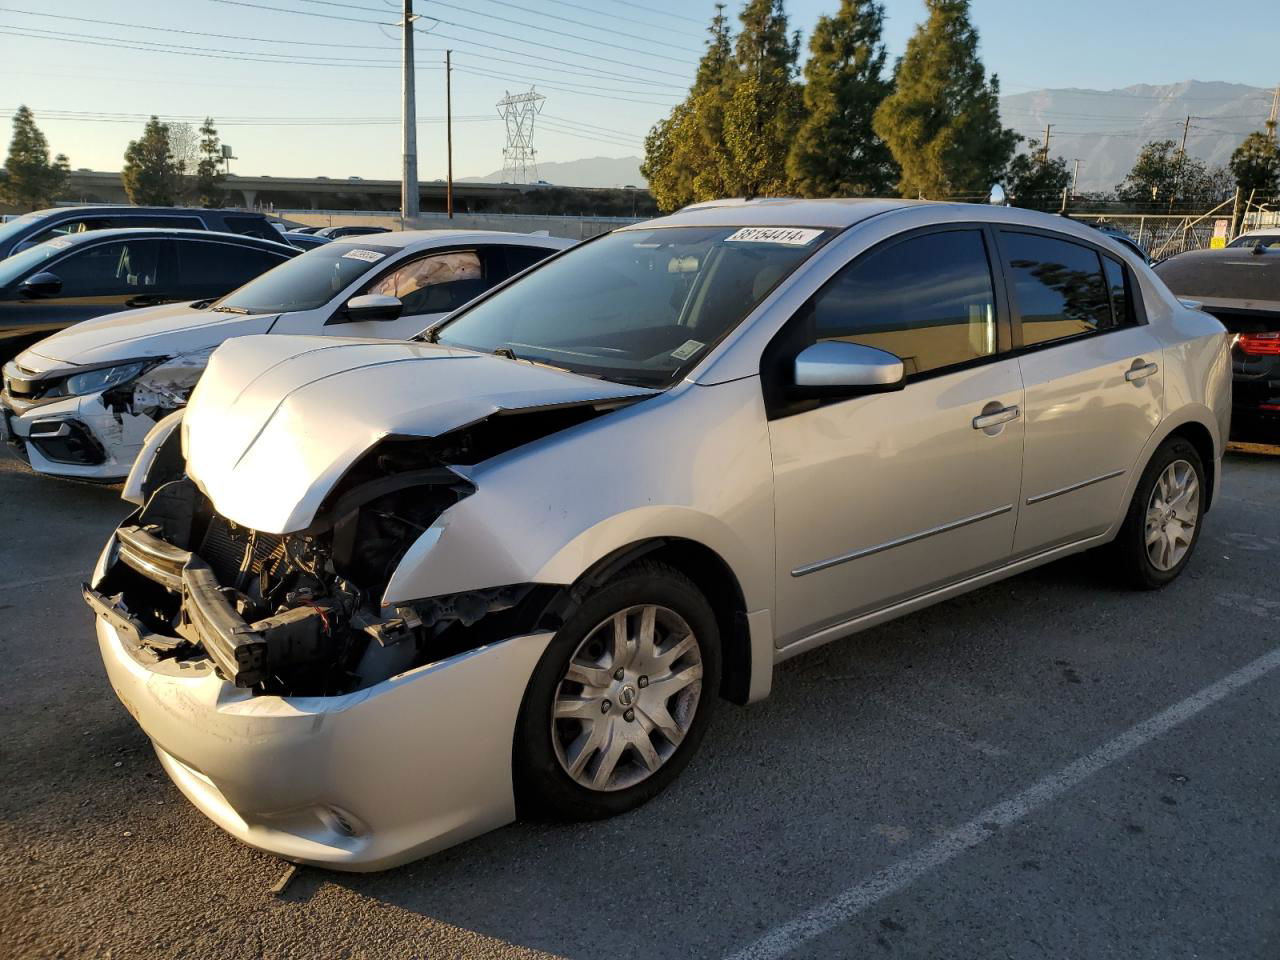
<point x="1275" y="113"/>
<point x="448" y="129"/>
<point x="1075" y="177"/>
<point x="1182" y="162"/>
<point x="409" y="125"/>
<point x="1047" y="128"/>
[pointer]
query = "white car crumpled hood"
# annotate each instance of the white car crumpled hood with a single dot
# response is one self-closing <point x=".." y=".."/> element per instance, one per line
<point x="277" y="420"/>
<point x="164" y="331"/>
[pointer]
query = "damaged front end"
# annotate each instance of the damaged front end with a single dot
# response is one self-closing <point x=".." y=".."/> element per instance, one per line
<point x="301" y="614"/>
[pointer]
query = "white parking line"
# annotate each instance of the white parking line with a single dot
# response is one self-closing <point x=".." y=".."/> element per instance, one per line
<point x="848" y="904"/>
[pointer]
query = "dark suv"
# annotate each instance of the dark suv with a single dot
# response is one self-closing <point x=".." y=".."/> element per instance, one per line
<point x="32" y="228"/>
<point x="72" y="278"/>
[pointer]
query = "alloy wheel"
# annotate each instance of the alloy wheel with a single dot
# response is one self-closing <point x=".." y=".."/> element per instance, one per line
<point x="1172" y="514"/>
<point x="627" y="698"/>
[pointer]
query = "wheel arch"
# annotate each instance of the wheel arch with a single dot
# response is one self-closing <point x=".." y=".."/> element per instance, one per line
<point x="713" y="576"/>
<point x="1198" y="435"/>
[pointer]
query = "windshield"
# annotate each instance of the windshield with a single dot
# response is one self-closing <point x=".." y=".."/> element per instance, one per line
<point x="18" y="225"/>
<point x="18" y="265"/>
<point x="307" y="281"/>
<point x="636" y="306"/>
<point x="1267" y="240"/>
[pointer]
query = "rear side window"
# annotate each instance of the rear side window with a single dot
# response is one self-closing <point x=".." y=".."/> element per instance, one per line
<point x="251" y="227"/>
<point x="522" y="258"/>
<point x="438" y="283"/>
<point x="210" y="269"/>
<point x="113" y="269"/>
<point x="928" y="300"/>
<point x="1059" y="288"/>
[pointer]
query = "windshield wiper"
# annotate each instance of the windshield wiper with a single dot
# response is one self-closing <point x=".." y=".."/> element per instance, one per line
<point x="226" y="309"/>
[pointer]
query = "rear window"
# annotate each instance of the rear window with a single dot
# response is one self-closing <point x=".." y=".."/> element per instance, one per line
<point x="1231" y="276"/>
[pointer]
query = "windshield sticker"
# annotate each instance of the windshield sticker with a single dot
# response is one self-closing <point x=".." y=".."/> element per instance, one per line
<point x="687" y="349"/>
<point x="368" y="256"/>
<point x="792" y="236"/>
<point x="58" y="243"/>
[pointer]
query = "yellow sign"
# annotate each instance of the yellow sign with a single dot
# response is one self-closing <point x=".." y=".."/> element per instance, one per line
<point x="1217" y="243"/>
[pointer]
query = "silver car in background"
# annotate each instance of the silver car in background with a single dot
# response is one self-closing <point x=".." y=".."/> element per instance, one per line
<point x="378" y="598"/>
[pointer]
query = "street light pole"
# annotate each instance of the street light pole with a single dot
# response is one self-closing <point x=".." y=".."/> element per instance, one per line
<point x="409" y="125"/>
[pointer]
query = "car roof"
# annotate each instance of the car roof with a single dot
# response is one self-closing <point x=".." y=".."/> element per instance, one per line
<point x="778" y="212"/>
<point x="1230" y="277"/>
<point x="420" y="239"/>
<point x="175" y="232"/>
<point x="127" y="210"/>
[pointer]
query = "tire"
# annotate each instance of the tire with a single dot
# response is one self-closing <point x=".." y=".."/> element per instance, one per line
<point x="1134" y="560"/>
<point x="617" y="710"/>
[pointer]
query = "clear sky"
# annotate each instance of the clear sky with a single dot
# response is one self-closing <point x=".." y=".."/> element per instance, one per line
<point x="312" y="87"/>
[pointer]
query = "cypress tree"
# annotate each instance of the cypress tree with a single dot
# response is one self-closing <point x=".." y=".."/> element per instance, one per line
<point x="836" y="151"/>
<point x="150" y="174"/>
<point x="1255" y="164"/>
<point x="942" y="122"/>
<point x="29" y="180"/>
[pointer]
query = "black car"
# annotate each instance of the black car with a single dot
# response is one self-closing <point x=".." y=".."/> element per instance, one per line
<point x="333" y="233"/>
<point x="304" y="241"/>
<point x="26" y="231"/>
<point x="1241" y="287"/>
<point x="72" y="278"/>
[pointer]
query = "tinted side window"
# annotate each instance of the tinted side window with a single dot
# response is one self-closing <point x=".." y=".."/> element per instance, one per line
<point x="210" y="269"/>
<point x="1122" y="307"/>
<point x="521" y="258"/>
<point x="251" y="227"/>
<point x="186" y="223"/>
<point x="110" y="269"/>
<point x="1058" y="287"/>
<point x="928" y="300"/>
<point x="438" y="283"/>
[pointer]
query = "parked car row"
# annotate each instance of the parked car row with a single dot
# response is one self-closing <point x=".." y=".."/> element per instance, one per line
<point x="381" y="595"/>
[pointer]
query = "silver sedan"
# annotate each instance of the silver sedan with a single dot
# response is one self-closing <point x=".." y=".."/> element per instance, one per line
<point x="379" y="597"/>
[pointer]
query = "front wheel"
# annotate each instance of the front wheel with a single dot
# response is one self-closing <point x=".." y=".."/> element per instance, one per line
<point x="1162" y="526"/>
<point x="620" y="700"/>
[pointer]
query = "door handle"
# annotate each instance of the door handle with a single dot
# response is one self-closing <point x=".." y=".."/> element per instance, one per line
<point x="995" y="418"/>
<point x="1140" y="371"/>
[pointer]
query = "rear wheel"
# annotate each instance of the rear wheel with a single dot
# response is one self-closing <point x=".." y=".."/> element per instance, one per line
<point x="1162" y="526"/>
<point x="621" y="698"/>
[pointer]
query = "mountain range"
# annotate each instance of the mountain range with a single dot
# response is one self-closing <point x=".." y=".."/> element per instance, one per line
<point x="1104" y="129"/>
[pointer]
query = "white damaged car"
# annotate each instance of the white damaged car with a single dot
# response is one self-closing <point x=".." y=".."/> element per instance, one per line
<point x="80" y="403"/>
<point x="380" y="597"/>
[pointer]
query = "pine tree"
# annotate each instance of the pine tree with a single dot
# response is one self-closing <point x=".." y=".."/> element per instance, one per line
<point x="765" y="106"/>
<point x="29" y="181"/>
<point x="683" y="152"/>
<point x="150" y="174"/>
<point x="1255" y="164"/>
<point x="942" y="122"/>
<point x="1037" y="180"/>
<point x="208" y="177"/>
<point x="837" y="152"/>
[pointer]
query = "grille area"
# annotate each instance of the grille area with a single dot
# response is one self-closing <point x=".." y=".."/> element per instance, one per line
<point x="225" y="545"/>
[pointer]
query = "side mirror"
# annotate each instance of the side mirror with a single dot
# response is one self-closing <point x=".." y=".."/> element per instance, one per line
<point x="837" y="368"/>
<point x="372" y="306"/>
<point x="39" y="285"/>
<point x="998" y="197"/>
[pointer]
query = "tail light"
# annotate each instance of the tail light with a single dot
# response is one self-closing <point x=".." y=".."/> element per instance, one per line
<point x="1259" y="344"/>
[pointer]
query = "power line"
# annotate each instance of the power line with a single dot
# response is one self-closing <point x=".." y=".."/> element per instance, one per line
<point x="642" y="6"/>
<point x="617" y="16"/>
<point x="581" y="93"/>
<point x="559" y="19"/>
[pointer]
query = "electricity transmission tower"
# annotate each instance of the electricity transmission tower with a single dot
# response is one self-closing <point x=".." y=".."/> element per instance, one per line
<point x="519" y="158"/>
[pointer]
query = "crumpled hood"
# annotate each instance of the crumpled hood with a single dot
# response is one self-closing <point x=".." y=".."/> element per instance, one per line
<point x="165" y="331"/>
<point x="276" y="421"/>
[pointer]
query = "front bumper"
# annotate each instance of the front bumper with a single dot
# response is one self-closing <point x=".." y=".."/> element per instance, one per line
<point x="110" y="440"/>
<point x="363" y="781"/>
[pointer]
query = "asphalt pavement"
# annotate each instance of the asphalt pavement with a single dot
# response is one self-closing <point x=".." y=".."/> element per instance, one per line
<point x="1049" y="767"/>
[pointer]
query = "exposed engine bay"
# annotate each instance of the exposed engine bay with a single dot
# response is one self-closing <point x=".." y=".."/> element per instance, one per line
<point x="300" y="614"/>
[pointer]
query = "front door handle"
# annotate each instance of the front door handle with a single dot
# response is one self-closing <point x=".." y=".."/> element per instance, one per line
<point x="995" y="417"/>
<point x="1140" y="371"/>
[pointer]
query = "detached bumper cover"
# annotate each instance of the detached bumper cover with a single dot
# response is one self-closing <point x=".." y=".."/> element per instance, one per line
<point x="363" y="781"/>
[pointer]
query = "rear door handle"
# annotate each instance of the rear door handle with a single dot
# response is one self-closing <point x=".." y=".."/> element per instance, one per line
<point x="1140" y="371"/>
<point x="995" y="418"/>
